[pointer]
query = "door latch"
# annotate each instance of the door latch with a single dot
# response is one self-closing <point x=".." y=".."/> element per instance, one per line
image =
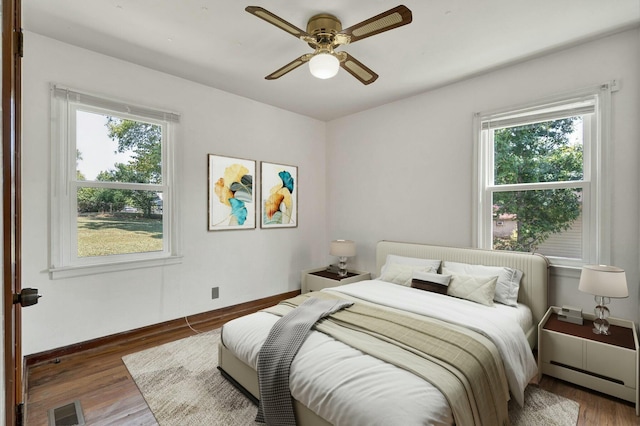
<point x="27" y="297"/>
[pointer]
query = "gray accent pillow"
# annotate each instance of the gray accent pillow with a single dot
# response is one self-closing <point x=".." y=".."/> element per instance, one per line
<point x="414" y="261"/>
<point x="508" y="283"/>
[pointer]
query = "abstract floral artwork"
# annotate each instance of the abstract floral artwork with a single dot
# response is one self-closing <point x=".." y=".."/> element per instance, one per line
<point x="231" y="193"/>
<point x="279" y="195"/>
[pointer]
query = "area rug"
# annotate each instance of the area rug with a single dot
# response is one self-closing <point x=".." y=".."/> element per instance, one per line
<point x="182" y="386"/>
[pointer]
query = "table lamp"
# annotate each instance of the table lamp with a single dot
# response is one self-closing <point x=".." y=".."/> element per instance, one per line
<point x="342" y="249"/>
<point x="603" y="282"/>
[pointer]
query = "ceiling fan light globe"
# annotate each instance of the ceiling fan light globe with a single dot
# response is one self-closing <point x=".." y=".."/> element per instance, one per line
<point x="324" y="65"/>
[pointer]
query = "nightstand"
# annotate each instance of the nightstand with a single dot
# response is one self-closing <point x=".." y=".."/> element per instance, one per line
<point x="319" y="278"/>
<point x="572" y="352"/>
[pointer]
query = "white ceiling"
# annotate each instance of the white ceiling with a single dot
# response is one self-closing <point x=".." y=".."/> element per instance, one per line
<point x="218" y="44"/>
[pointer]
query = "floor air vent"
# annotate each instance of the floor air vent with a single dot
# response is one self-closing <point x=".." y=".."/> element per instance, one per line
<point x="67" y="415"/>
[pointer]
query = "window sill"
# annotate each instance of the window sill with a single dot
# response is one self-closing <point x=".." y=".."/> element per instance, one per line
<point x="568" y="271"/>
<point x="83" y="270"/>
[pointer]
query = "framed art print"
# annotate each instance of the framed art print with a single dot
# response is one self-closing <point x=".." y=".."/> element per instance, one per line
<point x="279" y="195"/>
<point x="231" y="193"/>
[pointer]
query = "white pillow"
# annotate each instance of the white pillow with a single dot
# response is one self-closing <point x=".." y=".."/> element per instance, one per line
<point x="479" y="289"/>
<point x="414" y="261"/>
<point x="398" y="273"/>
<point x="508" y="283"/>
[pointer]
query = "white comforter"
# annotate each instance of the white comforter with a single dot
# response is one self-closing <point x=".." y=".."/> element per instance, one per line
<point x="347" y="387"/>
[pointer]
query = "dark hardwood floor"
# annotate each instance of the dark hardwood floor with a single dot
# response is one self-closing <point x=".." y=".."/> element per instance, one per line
<point x="93" y="372"/>
<point x="98" y="378"/>
<point x="596" y="409"/>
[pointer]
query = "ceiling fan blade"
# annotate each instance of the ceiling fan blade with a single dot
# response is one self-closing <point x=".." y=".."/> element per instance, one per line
<point x="276" y="20"/>
<point x="358" y="69"/>
<point x="289" y="67"/>
<point x="393" y="18"/>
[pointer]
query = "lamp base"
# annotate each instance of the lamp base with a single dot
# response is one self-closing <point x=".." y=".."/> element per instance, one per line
<point x="601" y="328"/>
<point x="600" y="324"/>
<point x="342" y="264"/>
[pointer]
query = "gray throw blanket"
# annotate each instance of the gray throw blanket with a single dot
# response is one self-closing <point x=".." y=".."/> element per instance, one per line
<point x="277" y="353"/>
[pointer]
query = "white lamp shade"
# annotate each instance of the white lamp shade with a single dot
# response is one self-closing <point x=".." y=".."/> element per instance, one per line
<point x="342" y="248"/>
<point x="603" y="280"/>
<point x="324" y="65"/>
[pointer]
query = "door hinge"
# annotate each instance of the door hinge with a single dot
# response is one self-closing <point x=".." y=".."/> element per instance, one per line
<point x="20" y="414"/>
<point x="19" y="42"/>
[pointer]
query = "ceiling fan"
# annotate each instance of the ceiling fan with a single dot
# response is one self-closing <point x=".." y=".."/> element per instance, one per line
<point x="324" y="34"/>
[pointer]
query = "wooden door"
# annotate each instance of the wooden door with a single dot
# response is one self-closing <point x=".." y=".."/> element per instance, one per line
<point x="11" y="117"/>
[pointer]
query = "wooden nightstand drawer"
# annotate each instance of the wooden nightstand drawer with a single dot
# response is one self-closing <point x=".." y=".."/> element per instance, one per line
<point x="611" y="362"/>
<point x="562" y="349"/>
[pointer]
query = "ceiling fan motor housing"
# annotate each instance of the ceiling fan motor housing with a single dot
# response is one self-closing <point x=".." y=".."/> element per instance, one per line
<point x="323" y="27"/>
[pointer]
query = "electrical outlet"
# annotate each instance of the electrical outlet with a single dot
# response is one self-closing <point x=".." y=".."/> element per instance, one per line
<point x="215" y="292"/>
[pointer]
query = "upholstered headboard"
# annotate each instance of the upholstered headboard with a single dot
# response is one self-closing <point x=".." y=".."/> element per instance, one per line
<point x="533" y="286"/>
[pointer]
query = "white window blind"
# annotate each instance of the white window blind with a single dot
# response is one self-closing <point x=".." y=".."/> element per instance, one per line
<point x="113" y="105"/>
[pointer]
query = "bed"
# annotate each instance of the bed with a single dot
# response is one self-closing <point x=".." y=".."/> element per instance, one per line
<point x="335" y="383"/>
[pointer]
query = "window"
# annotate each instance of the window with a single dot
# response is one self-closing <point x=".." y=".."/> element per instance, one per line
<point x="113" y="174"/>
<point x="540" y="178"/>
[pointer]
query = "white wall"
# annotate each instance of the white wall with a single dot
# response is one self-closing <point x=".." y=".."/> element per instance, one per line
<point x="403" y="171"/>
<point x="245" y="265"/>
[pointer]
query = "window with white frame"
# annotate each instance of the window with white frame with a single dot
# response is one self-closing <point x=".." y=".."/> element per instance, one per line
<point x="113" y="179"/>
<point x="541" y="178"/>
